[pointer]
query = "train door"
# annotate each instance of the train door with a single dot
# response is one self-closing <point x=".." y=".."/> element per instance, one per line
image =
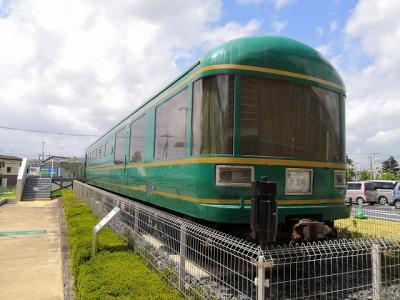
<point x="126" y="157"/>
<point x="120" y="157"/>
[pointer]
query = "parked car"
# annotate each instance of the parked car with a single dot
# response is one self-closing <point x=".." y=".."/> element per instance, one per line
<point x="385" y="190"/>
<point x="361" y="192"/>
<point x="396" y="196"/>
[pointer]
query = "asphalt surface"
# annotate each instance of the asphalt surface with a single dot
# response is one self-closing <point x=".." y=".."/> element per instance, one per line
<point x="382" y="212"/>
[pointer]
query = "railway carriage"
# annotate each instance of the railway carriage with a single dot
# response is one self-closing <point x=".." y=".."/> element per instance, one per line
<point x="255" y="106"/>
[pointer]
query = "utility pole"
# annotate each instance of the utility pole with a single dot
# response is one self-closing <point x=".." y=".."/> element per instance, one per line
<point x="372" y="166"/>
<point x="43" y="150"/>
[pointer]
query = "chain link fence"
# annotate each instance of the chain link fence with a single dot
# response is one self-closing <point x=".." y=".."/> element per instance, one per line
<point x="207" y="264"/>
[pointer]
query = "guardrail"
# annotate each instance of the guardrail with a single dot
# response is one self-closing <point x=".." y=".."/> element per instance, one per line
<point x="207" y="264"/>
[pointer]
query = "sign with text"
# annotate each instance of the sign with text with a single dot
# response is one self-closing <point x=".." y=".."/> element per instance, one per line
<point x="48" y="171"/>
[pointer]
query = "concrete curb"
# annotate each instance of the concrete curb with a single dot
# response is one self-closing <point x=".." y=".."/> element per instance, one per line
<point x="3" y="201"/>
<point x="69" y="293"/>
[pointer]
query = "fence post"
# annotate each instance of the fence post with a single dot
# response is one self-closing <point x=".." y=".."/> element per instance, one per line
<point x="136" y="226"/>
<point x="182" y="257"/>
<point x="260" y="279"/>
<point x="376" y="272"/>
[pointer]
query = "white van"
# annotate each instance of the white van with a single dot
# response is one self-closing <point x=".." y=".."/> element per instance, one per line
<point x="361" y="192"/>
<point x="384" y="189"/>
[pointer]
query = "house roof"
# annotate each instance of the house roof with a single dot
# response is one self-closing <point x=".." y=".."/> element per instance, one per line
<point x="10" y="157"/>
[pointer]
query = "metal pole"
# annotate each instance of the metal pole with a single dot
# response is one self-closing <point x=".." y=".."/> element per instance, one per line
<point x="260" y="280"/>
<point x="376" y="272"/>
<point x="95" y="242"/>
<point x="136" y="228"/>
<point x="52" y="168"/>
<point x="182" y="258"/>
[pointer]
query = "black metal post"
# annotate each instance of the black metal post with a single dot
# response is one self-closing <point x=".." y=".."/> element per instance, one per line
<point x="264" y="214"/>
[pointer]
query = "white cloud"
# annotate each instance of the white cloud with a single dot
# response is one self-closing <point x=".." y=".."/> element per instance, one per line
<point x="81" y="66"/>
<point x="319" y="30"/>
<point x="282" y="3"/>
<point x="279" y="25"/>
<point x="333" y="26"/>
<point x="385" y="138"/>
<point x="373" y="99"/>
<point x="247" y="2"/>
<point x="325" y="49"/>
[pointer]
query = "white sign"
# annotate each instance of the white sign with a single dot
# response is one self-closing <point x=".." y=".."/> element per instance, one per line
<point x="298" y="181"/>
<point x="107" y="219"/>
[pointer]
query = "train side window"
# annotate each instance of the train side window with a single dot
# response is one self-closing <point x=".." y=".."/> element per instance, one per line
<point x="120" y="142"/>
<point x="213" y="114"/>
<point x="170" y="131"/>
<point x="138" y="139"/>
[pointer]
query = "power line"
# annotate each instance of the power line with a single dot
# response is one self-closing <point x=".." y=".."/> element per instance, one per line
<point x="48" y="132"/>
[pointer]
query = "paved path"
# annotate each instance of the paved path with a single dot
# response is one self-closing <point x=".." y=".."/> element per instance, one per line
<point x="30" y="253"/>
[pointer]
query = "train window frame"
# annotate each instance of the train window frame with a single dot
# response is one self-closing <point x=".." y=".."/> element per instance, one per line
<point x="234" y="100"/>
<point x="157" y="107"/>
<point x="118" y="162"/>
<point x="144" y="119"/>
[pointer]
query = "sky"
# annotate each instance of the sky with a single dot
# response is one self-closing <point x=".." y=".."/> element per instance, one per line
<point x="76" y="66"/>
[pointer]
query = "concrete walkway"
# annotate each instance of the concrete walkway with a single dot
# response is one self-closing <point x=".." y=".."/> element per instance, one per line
<point x="30" y="252"/>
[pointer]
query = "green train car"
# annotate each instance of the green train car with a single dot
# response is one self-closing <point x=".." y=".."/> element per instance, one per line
<point x="255" y="106"/>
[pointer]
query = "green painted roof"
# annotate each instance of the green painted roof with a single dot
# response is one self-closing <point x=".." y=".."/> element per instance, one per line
<point x="276" y="53"/>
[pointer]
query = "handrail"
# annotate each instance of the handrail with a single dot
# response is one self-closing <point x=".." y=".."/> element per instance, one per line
<point x="21" y="179"/>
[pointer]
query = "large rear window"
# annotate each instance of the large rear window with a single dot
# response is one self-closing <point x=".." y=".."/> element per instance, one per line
<point x="287" y="119"/>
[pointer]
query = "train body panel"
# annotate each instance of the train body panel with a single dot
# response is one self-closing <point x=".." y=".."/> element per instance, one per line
<point x="189" y="188"/>
<point x="187" y="183"/>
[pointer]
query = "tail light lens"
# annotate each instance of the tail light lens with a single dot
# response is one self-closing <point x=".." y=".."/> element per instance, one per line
<point x="234" y="175"/>
<point x="340" y="178"/>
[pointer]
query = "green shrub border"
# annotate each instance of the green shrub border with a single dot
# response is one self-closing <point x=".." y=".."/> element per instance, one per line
<point x="116" y="272"/>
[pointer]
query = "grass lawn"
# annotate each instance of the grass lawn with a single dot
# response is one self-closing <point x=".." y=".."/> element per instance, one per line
<point x="116" y="272"/>
<point x="7" y="193"/>
<point x="56" y="193"/>
<point x="353" y="227"/>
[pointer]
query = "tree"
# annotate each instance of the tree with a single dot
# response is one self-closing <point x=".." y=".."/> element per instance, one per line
<point x="390" y="165"/>
<point x="76" y="169"/>
<point x="365" y="175"/>
<point x="351" y="174"/>
<point x="349" y="161"/>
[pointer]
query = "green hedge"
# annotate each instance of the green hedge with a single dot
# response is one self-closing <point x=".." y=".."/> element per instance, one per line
<point x="116" y="272"/>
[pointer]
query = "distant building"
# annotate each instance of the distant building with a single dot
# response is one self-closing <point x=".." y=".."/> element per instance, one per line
<point x="9" y="167"/>
<point x="60" y="166"/>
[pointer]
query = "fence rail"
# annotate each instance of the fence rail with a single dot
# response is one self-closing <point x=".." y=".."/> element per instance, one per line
<point x="204" y="263"/>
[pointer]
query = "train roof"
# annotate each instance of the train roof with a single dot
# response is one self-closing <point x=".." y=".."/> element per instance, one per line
<point x="269" y="52"/>
<point x="274" y="52"/>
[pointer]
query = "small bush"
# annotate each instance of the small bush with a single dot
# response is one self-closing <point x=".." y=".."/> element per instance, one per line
<point x="116" y="272"/>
